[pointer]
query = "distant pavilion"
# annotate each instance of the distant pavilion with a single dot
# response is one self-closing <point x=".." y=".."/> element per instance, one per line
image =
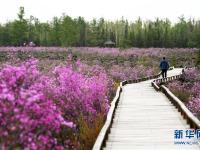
<point x="109" y="43"/>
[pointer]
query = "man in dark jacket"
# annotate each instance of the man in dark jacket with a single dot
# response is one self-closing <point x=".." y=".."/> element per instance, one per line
<point x="164" y="66"/>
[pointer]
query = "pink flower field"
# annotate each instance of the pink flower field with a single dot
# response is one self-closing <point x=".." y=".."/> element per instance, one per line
<point x="48" y="100"/>
<point x="40" y="111"/>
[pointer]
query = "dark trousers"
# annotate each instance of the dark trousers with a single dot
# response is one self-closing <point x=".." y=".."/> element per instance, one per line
<point x="164" y="73"/>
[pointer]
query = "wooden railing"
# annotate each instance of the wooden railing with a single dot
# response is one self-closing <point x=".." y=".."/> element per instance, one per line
<point x="103" y="135"/>
<point x="191" y="119"/>
<point x="158" y="82"/>
<point x="101" y="139"/>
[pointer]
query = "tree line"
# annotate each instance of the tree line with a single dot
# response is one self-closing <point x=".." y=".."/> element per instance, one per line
<point x="68" y="31"/>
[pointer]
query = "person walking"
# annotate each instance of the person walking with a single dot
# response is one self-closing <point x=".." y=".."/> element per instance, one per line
<point x="164" y="66"/>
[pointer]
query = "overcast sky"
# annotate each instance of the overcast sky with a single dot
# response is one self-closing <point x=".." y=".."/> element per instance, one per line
<point x="109" y="9"/>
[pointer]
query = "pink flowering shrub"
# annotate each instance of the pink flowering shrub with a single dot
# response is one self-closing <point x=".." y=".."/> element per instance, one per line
<point x="196" y="89"/>
<point x="188" y="90"/>
<point x="121" y="73"/>
<point x="194" y="106"/>
<point x="191" y="75"/>
<point x="39" y="111"/>
<point x="76" y="93"/>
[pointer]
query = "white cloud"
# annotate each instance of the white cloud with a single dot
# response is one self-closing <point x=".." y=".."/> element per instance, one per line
<point x="109" y="9"/>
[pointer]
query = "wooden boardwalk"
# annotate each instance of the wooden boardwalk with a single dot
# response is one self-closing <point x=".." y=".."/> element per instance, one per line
<point x="145" y="120"/>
